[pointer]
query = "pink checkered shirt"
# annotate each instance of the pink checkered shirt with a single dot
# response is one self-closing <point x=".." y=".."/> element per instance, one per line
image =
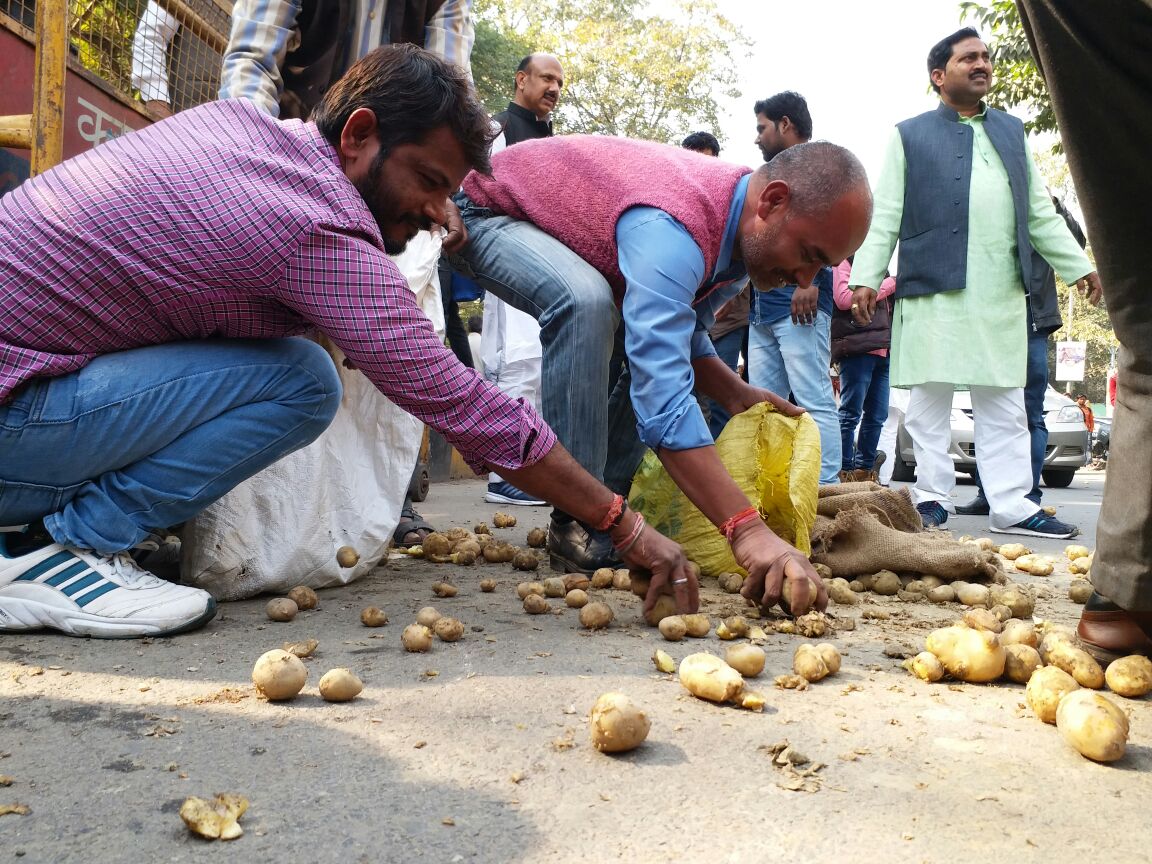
<point x="223" y="222"/>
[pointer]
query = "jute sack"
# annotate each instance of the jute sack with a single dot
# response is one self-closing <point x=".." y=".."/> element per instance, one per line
<point x="893" y="507"/>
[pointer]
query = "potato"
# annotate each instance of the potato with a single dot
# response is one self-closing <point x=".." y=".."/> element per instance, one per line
<point x="857" y="586"/>
<point x="340" y="685"/>
<point x="487" y="585"/>
<point x="572" y="581"/>
<point x="1012" y="551"/>
<point x="831" y="656"/>
<point x="941" y="594"/>
<point x="930" y="581"/>
<point x="482" y="528"/>
<point x="1020" y="601"/>
<point x="840" y="592"/>
<point x="1130" y="677"/>
<point x="621" y="580"/>
<point x="1081" y="566"/>
<point x="1078" y="663"/>
<point x="346" y="557"/>
<point x="698" y="625"/>
<point x="926" y="666"/>
<point x="428" y="616"/>
<point x="576" y="599"/>
<point x="416" y="638"/>
<point x="1002" y="612"/>
<point x="1016" y="632"/>
<point x="1093" y="724"/>
<point x="524" y="560"/>
<point x="664" y="606"/>
<point x="617" y="724"/>
<point x="304" y="597"/>
<point x="746" y="659"/>
<point x="982" y="619"/>
<point x="279" y="675"/>
<point x="373" y="616"/>
<point x="537" y="537"/>
<point x="866" y="582"/>
<point x="673" y="628"/>
<point x="437" y="544"/>
<point x="469" y="545"/>
<point x="526" y="588"/>
<point x="823" y="571"/>
<point x="737" y="625"/>
<point x="465" y="557"/>
<point x="301" y="649"/>
<point x="971" y="594"/>
<point x="554" y="587"/>
<point x="535" y="604"/>
<point x="444" y="589"/>
<point x="886" y="583"/>
<point x="455" y="534"/>
<point x="498" y="552"/>
<point x="808" y="663"/>
<point x="1024" y="563"/>
<point x="1047" y="686"/>
<point x="968" y="655"/>
<point x="602" y="578"/>
<point x="1020" y="661"/>
<point x="1074" y="552"/>
<point x="1079" y="591"/>
<point x="1052" y="639"/>
<point x="448" y="629"/>
<point x="281" y="609"/>
<point x="730" y="583"/>
<point x="596" y="616"/>
<point x="663" y="661"/>
<point x="1041" y="567"/>
<point x="215" y="819"/>
<point x="503" y="520"/>
<point x="786" y="596"/>
<point x="709" y="677"/>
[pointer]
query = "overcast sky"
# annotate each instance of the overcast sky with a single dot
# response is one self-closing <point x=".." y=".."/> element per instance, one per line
<point x="860" y="65"/>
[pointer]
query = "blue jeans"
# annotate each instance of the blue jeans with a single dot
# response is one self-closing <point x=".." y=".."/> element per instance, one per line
<point x="784" y="357"/>
<point x="863" y="402"/>
<point x="572" y="302"/>
<point x="728" y="348"/>
<point x="149" y="437"/>
<point x="1035" y="387"/>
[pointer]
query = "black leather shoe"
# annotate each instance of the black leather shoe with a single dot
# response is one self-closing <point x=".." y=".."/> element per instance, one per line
<point x="573" y="548"/>
<point x="978" y="506"/>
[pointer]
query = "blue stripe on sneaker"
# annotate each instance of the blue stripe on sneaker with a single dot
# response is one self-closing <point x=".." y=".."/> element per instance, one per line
<point x="96" y="592"/>
<point x="80" y="584"/>
<point x="34" y="573"/>
<point x="66" y="574"/>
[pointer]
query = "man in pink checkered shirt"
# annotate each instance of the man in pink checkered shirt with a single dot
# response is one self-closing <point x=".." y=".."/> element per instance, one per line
<point x="147" y="290"/>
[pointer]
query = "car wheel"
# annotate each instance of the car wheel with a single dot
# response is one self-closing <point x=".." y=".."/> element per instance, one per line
<point x="1056" y="479"/>
<point x="902" y="471"/>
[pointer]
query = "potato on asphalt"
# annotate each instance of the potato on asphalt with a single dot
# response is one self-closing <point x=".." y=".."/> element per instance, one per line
<point x="673" y="628"/>
<point x="279" y="675"/>
<point x="968" y="655"/>
<point x="1047" y="686"/>
<point x="745" y="658"/>
<point x="926" y="666"/>
<point x="281" y="609"/>
<point x="304" y="597"/>
<point x="416" y="638"/>
<point x="708" y="677"/>
<point x="596" y="616"/>
<point x="1130" y="677"/>
<point x="1096" y="726"/>
<point x="1020" y="661"/>
<point x="340" y="685"/>
<point x="617" y="724"/>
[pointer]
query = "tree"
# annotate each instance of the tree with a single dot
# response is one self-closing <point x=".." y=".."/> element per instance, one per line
<point x="1017" y="80"/>
<point x="628" y="70"/>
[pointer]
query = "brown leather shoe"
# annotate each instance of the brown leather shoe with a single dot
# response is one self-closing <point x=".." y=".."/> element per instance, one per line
<point x="1109" y="632"/>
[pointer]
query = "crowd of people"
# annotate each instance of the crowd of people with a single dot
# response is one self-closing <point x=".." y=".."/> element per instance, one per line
<point x="155" y="289"/>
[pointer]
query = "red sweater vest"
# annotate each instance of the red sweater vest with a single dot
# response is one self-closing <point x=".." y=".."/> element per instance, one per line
<point x="576" y="187"/>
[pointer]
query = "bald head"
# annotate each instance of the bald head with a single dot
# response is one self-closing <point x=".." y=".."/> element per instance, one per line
<point x="539" y="80"/>
<point x="810" y="207"/>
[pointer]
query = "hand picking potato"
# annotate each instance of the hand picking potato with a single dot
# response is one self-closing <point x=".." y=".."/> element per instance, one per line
<point x="698" y="625"/>
<point x="279" y="675"/>
<point x="340" y="685"/>
<point x="448" y="629"/>
<point x="1020" y="661"/>
<point x="809" y="663"/>
<point x="596" y="616"/>
<point x="786" y="595"/>
<point x="617" y="724"/>
<point x="968" y="655"/>
<point x="926" y="666"/>
<point x="1047" y="686"/>
<point x="709" y="677"/>
<point x="372" y="616"/>
<point x="577" y="598"/>
<point x="1079" y="664"/>
<point x="1093" y="724"/>
<point x="304" y="597"/>
<point x="673" y="628"/>
<point x="746" y="659"/>
<point x="281" y="609"/>
<point x="416" y="638"/>
<point x="664" y="606"/>
<point x="1130" y="677"/>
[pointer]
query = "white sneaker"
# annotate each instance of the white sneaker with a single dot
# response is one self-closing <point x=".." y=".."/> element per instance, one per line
<point x="84" y="594"/>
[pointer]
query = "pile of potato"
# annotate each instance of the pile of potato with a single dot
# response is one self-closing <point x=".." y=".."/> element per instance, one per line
<point x="983" y="647"/>
<point x="279" y="675"/>
<point x="465" y="548"/>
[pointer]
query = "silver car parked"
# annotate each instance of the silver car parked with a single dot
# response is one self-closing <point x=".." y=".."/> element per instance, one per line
<point x="1068" y="441"/>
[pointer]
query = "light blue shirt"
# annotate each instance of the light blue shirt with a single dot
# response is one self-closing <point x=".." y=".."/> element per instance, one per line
<point x="669" y="304"/>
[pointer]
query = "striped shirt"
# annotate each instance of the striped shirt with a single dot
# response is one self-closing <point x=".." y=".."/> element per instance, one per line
<point x="261" y="30"/>
<point x="223" y="222"/>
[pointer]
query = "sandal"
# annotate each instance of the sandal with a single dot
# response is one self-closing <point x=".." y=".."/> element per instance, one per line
<point x="411" y="525"/>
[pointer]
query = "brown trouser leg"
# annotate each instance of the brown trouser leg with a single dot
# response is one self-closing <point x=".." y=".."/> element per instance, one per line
<point x="1095" y="58"/>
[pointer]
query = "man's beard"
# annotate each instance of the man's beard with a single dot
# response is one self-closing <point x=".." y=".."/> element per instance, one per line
<point x="383" y="207"/>
<point x="755" y="248"/>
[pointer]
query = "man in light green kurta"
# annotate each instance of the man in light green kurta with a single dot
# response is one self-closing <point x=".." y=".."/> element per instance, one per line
<point x="961" y="314"/>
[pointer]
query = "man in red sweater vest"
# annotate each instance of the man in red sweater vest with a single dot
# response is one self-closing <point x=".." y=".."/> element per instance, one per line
<point x="581" y="231"/>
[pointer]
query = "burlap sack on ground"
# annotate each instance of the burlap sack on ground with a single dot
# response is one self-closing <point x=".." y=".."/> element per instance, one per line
<point x="856" y="543"/>
<point x="773" y="458"/>
<point x="893" y="507"/>
<point x="830" y="489"/>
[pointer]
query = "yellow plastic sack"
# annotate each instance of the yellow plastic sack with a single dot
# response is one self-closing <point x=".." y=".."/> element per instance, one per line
<point x="773" y="458"/>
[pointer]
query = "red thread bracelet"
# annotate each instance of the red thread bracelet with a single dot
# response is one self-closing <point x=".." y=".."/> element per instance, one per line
<point x="728" y="526"/>
<point x="633" y="535"/>
<point x="615" y="513"/>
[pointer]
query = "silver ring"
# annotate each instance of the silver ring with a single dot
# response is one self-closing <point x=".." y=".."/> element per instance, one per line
<point x="680" y="581"/>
